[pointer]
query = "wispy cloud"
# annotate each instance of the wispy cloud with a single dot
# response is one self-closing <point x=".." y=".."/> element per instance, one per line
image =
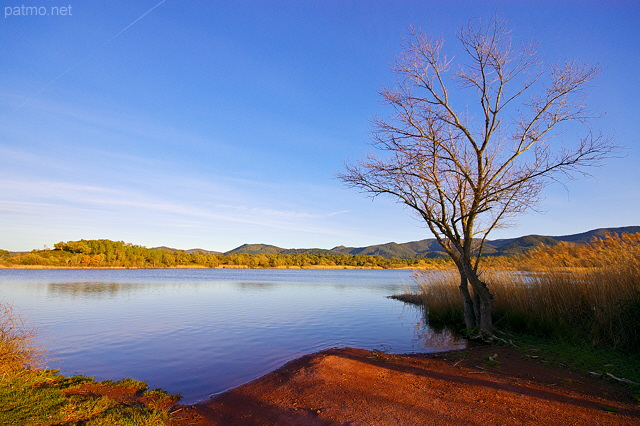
<point x="64" y="196"/>
<point x="341" y="212"/>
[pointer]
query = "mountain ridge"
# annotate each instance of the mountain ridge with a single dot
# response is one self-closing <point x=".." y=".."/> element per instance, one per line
<point x="430" y="248"/>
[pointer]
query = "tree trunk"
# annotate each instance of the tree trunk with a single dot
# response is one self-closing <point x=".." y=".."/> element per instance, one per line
<point x="482" y="299"/>
<point x="483" y="304"/>
<point x="476" y="308"/>
<point x="469" y="314"/>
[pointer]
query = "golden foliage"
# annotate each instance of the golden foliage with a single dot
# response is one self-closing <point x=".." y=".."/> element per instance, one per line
<point x="613" y="249"/>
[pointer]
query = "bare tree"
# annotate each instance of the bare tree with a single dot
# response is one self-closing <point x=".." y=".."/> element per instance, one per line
<point x="470" y="146"/>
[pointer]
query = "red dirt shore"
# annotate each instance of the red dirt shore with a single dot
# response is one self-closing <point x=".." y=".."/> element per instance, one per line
<point x="358" y="387"/>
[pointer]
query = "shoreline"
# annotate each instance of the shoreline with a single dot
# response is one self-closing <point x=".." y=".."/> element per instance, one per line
<point x="357" y="386"/>
<point x="207" y="267"/>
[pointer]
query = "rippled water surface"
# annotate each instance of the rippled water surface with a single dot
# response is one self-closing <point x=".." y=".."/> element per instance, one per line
<point x="201" y="331"/>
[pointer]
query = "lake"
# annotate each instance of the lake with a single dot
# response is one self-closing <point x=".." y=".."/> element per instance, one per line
<point x="199" y="332"/>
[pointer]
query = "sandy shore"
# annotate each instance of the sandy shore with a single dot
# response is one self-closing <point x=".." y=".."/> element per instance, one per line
<point x="481" y="385"/>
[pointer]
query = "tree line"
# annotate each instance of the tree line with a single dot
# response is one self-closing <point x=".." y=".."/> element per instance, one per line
<point x="118" y="254"/>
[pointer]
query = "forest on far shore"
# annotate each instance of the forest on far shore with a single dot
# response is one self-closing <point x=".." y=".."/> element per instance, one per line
<point x="118" y="254"/>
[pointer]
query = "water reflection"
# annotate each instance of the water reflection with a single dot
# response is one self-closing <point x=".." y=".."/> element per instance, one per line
<point x="96" y="290"/>
<point x="256" y="285"/>
<point x="101" y="290"/>
<point x="442" y="338"/>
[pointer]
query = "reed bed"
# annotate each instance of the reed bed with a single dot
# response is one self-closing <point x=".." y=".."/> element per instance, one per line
<point x="587" y="294"/>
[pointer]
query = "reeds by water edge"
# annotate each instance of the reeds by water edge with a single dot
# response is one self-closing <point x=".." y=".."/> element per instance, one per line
<point x="581" y="294"/>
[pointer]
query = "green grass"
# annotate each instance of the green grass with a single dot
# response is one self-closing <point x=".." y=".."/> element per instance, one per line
<point x="584" y="359"/>
<point x="129" y="383"/>
<point x="44" y="397"/>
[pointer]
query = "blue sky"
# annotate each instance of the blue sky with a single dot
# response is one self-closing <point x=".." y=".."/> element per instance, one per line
<point x="212" y="124"/>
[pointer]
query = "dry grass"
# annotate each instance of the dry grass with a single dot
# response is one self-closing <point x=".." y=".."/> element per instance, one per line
<point x="17" y="343"/>
<point x="599" y="307"/>
<point x="582" y="294"/>
<point x="441" y="297"/>
<point x="612" y="251"/>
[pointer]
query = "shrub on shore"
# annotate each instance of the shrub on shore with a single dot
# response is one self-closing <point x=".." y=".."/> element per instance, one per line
<point x="17" y="346"/>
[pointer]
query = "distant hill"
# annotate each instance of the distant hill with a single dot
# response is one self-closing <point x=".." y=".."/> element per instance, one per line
<point x="190" y="251"/>
<point x="309" y="251"/>
<point x="515" y="246"/>
<point x="256" y="249"/>
<point x="599" y="233"/>
<point x="164" y="248"/>
<point x="422" y="248"/>
<point x="430" y="248"/>
<point x="198" y="250"/>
